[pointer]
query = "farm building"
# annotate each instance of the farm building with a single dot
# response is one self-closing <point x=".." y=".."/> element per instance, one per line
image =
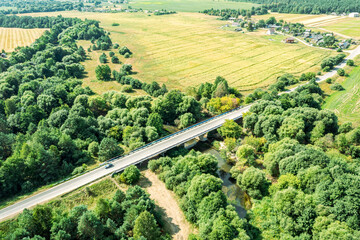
<point x="354" y="14"/>
<point x="344" y="45"/>
<point x="290" y="40"/>
<point x="270" y="31"/>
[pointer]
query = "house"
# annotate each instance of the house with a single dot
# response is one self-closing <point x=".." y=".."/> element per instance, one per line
<point x="344" y="45"/>
<point x="232" y="18"/>
<point x="317" y="37"/>
<point x="286" y="29"/>
<point x="270" y="31"/>
<point x="272" y="26"/>
<point x="290" y="40"/>
<point x="354" y="15"/>
<point x="307" y="34"/>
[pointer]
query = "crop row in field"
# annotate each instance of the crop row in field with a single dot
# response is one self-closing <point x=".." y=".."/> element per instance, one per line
<point x="187" y="49"/>
<point x="10" y="38"/>
<point x="346" y="104"/>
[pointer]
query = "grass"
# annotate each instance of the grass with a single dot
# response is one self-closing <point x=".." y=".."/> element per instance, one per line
<point x="349" y="27"/>
<point x="90" y="64"/>
<point x="10" y="38"/>
<point x="187" y="49"/>
<point x="187" y="5"/>
<point x="346" y="104"/>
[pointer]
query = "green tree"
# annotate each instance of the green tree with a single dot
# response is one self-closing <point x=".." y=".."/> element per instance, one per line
<point x="130" y="175"/>
<point x="156" y="121"/>
<point x="186" y="120"/>
<point x="89" y="227"/>
<point x="103" y="73"/>
<point x="230" y="129"/>
<point x="254" y="182"/>
<point x="146" y="226"/>
<point x="109" y="148"/>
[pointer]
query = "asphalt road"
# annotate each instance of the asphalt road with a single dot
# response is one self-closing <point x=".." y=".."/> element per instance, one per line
<point x="139" y="156"/>
<point x="121" y="163"/>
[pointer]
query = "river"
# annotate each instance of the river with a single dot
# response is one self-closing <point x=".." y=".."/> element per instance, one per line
<point x="235" y="195"/>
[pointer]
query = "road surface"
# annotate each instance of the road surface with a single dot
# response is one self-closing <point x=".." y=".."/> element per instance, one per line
<point x="140" y="155"/>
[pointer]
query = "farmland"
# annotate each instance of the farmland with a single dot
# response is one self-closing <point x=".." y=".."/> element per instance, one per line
<point x="10" y="38"/>
<point x="189" y="6"/>
<point x="187" y="49"/>
<point x="346" y="104"/>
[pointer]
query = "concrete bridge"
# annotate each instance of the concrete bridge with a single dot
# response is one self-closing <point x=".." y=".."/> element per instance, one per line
<point x="198" y="131"/>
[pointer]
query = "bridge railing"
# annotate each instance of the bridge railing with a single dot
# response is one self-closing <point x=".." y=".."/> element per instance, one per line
<point x="148" y="145"/>
<point x="171" y="135"/>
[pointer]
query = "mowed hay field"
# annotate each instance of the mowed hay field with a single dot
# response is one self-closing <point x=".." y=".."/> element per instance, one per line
<point x="10" y="38"/>
<point x="346" y="104"/>
<point x="189" y="5"/>
<point x="187" y="49"/>
<point x="342" y="25"/>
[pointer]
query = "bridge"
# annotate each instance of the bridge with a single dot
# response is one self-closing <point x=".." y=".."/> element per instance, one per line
<point x="139" y="155"/>
<point x="146" y="152"/>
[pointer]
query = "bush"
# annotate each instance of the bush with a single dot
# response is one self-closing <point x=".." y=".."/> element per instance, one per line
<point x="319" y="73"/>
<point x="115" y="59"/>
<point x="341" y="72"/>
<point x="327" y="69"/>
<point x="336" y="87"/>
<point x="123" y="50"/>
<point x="328" y="80"/>
<point x="115" y="24"/>
<point x="127" y="55"/>
<point x="350" y="63"/>
<point x="103" y="58"/>
<point x="130" y="175"/>
<point x="339" y="50"/>
<point x="111" y="54"/>
<point x="116" y="46"/>
<point x="127" y="89"/>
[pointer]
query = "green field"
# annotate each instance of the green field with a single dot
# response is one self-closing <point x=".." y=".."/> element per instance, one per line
<point x="187" y="49"/>
<point x="349" y="27"/>
<point x="187" y="5"/>
<point x="346" y="104"/>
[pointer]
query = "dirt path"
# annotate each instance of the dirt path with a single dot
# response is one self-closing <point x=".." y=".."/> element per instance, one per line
<point x="173" y="217"/>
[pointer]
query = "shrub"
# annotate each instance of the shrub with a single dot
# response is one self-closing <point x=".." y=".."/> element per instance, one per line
<point x="127" y="89"/>
<point x="111" y="54"/>
<point x="341" y="72"/>
<point x="116" y="46"/>
<point x="130" y="175"/>
<point x="327" y="69"/>
<point x="328" y="80"/>
<point x="115" y="24"/>
<point x="339" y="50"/>
<point x="127" y="55"/>
<point x="350" y="63"/>
<point x="103" y="58"/>
<point x="115" y="59"/>
<point x="123" y="50"/>
<point x="336" y="87"/>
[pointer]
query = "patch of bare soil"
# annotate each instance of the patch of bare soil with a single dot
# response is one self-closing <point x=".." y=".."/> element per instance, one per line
<point x="172" y="216"/>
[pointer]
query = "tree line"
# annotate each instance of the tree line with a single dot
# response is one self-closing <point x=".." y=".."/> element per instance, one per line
<point x="309" y="7"/>
<point x="129" y="215"/>
<point x="29" y="6"/>
<point x="225" y="14"/>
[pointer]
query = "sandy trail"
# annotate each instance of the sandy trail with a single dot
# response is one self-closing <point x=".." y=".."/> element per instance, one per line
<point x="173" y="217"/>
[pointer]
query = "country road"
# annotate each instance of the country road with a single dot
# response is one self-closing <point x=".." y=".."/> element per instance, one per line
<point x="141" y="155"/>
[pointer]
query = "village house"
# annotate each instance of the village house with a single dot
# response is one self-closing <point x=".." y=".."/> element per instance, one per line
<point x="344" y="45"/>
<point x="290" y="40"/>
<point x="354" y="15"/>
<point x="286" y="28"/>
<point x="317" y="37"/>
<point x="270" y="31"/>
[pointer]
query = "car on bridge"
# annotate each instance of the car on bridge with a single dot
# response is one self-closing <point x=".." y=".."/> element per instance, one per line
<point x="109" y="165"/>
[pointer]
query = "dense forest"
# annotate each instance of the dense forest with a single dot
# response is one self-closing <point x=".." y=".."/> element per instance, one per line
<point x="29" y="6"/>
<point x="309" y="6"/>
<point x="129" y="215"/>
<point x="225" y="14"/>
